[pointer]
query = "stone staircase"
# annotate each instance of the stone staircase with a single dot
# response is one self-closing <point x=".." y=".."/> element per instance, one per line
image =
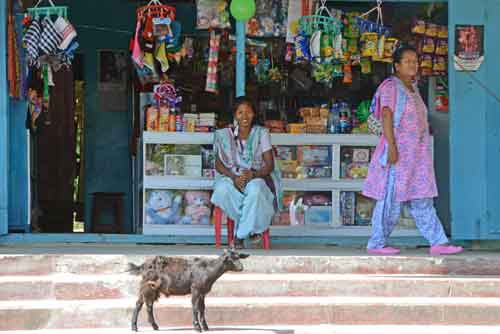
<point x="93" y="291"/>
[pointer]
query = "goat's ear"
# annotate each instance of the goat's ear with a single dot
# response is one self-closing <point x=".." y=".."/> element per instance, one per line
<point x="243" y="256"/>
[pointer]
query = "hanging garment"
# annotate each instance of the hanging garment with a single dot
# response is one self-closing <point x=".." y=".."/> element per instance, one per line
<point x="213" y="59"/>
<point x="161" y="56"/>
<point x="50" y="39"/>
<point x="31" y="41"/>
<point x="136" y="47"/>
<point x="66" y="30"/>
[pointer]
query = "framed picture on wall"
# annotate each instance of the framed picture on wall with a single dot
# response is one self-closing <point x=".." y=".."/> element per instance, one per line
<point x="113" y="77"/>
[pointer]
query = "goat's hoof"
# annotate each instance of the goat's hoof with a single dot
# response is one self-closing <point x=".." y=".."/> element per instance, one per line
<point x="198" y="329"/>
<point x="134" y="329"/>
<point x="205" y="328"/>
<point x="155" y="327"/>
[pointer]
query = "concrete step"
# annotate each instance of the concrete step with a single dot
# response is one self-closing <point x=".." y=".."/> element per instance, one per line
<point x="287" y="329"/>
<point x="268" y="262"/>
<point x="82" y="287"/>
<point x="50" y="314"/>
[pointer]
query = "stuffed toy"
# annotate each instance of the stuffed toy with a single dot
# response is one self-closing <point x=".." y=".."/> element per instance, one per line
<point x="163" y="208"/>
<point x="197" y="210"/>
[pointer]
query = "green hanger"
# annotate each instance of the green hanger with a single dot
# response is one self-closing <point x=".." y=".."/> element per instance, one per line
<point x="49" y="10"/>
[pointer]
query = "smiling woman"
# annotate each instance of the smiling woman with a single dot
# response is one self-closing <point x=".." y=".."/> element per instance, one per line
<point x="246" y="187"/>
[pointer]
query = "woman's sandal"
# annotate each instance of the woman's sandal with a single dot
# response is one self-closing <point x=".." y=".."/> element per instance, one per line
<point x="238" y="243"/>
<point x="255" y="238"/>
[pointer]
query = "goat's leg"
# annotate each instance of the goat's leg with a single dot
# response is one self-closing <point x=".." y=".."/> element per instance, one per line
<point x="203" y="321"/>
<point x="151" y="316"/>
<point x="135" y="315"/>
<point x="195" y="302"/>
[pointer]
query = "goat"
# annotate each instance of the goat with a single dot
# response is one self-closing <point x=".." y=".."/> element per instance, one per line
<point x="178" y="277"/>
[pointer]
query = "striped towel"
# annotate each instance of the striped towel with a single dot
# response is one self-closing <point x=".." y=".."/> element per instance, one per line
<point x="31" y="41"/>
<point x="50" y="39"/>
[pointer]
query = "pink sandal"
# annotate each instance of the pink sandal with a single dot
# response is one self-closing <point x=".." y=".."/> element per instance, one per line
<point x="445" y="250"/>
<point x="383" y="251"/>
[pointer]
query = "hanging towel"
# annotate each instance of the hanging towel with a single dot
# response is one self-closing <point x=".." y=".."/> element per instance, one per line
<point x="161" y="56"/>
<point x="50" y="39"/>
<point x="136" y="48"/>
<point x="66" y="30"/>
<point x="31" y="41"/>
<point x="213" y="59"/>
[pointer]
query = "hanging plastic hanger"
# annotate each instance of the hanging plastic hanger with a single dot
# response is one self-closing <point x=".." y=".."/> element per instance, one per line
<point x="156" y="8"/>
<point x="48" y="10"/>
<point x="378" y="8"/>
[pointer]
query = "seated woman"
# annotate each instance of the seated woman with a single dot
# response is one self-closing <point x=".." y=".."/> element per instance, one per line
<point x="246" y="186"/>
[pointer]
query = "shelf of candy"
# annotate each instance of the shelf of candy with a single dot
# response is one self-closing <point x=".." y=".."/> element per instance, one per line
<point x="355" y="209"/>
<point x="302" y="162"/>
<point x="165" y="114"/>
<point x="354" y="161"/>
<point x="175" y="207"/>
<point x="431" y="41"/>
<point x="304" y="208"/>
<point x="179" y="160"/>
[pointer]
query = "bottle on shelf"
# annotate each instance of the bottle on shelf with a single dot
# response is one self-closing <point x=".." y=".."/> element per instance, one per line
<point x="171" y="125"/>
<point x="345" y="123"/>
<point x="333" y="119"/>
<point x="178" y="120"/>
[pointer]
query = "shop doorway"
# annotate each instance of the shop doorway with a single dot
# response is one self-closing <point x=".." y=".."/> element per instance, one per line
<point x="56" y="156"/>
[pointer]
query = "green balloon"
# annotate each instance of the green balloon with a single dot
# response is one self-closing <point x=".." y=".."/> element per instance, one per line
<point x="242" y="10"/>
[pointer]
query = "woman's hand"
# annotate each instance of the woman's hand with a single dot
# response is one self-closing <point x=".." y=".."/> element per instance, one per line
<point x="248" y="175"/>
<point x="393" y="155"/>
<point x="240" y="182"/>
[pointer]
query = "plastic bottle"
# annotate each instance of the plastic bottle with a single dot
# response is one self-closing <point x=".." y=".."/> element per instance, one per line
<point x="178" y="120"/>
<point x="345" y="123"/>
<point x="171" y="122"/>
<point x="333" y="119"/>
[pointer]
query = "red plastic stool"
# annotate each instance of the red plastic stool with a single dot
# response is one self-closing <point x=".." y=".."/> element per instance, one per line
<point x="230" y="231"/>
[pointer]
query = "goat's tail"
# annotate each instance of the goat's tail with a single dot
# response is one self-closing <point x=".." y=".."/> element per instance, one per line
<point x="134" y="269"/>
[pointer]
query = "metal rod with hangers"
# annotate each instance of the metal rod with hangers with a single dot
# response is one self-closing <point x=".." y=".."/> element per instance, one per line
<point x="49" y="10"/>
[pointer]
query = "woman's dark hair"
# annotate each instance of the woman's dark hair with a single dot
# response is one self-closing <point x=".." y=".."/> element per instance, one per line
<point x="246" y="100"/>
<point x="398" y="54"/>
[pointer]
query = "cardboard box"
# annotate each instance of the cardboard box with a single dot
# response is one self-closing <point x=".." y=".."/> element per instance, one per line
<point x="318" y="215"/>
<point x="182" y="165"/>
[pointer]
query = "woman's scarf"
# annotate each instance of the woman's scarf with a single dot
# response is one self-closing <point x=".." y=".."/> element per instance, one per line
<point x="400" y="107"/>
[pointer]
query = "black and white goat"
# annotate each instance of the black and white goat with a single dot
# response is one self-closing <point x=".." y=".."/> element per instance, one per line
<point x="173" y="276"/>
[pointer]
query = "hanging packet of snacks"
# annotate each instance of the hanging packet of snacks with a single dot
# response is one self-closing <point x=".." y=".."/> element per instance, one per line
<point x="369" y="44"/>
<point x="212" y="14"/>
<point x="161" y="27"/>
<point x="302" y="53"/>
<point x="442" y="47"/>
<point x="428" y="45"/>
<point x="418" y="27"/>
<point x="431" y="30"/>
<point x="347" y="74"/>
<point x="439" y="65"/>
<point x="366" y="65"/>
<point x="442" y="32"/>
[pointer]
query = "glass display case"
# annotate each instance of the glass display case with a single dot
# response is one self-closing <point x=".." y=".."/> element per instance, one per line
<point x="322" y="179"/>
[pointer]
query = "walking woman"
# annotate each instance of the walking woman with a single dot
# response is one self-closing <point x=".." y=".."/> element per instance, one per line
<point x="401" y="169"/>
<point x="247" y="187"/>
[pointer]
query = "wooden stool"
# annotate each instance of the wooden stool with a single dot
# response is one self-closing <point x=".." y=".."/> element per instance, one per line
<point x="112" y="201"/>
<point x="230" y="231"/>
